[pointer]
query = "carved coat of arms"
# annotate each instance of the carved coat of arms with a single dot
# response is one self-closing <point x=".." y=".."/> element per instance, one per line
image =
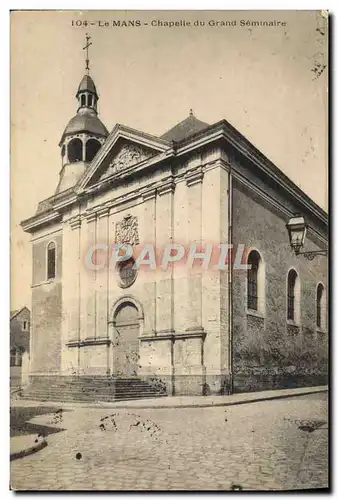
<point x="126" y="231"/>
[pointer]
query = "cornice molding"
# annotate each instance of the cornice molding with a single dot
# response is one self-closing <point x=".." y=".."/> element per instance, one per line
<point x="273" y="202"/>
<point x="89" y="342"/>
<point x="194" y="176"/>
<point x="197" y="333"/>
<point x="33" y="223"/>
<point x="151" y="338"/>
<point x="190" y="335"/>
<point x="59" y="203"/>
<point x="167" y="187"/>
<point x="75" y="222"/>
<point x="102" y="211"/>
<point x="90" y="216"/>
<point x="149" y="194"/>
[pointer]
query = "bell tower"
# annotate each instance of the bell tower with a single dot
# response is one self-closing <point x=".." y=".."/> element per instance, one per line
<point x="84" y="134"/>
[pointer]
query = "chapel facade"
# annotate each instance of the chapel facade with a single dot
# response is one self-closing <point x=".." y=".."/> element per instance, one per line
<point x="189" y="330"/>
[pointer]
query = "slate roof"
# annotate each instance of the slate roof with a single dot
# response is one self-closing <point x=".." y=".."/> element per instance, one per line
<point x="85" y="122"/>
<point x="88" y="84"/>
<point x="184" y="129"/>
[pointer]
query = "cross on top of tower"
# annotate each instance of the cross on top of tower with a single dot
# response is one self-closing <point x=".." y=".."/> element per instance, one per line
<point x="86" y="47"/>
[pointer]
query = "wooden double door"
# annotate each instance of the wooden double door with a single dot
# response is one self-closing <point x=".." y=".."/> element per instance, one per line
<point x="126" y="341"/>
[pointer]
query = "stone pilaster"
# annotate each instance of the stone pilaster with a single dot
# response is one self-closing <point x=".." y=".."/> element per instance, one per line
<point x="194" y="179"/>
<point x="164" y="236"/>
<point x="215" y="282"/>
<point x="102" y="232"/>
<point x="75" y="247"/>
<point x="149" y="276"/>
<point x="71" y="293"/>
<point x="91" y="277"/>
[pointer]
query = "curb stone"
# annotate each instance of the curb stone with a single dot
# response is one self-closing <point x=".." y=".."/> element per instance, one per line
<point x="154" y="404"/>
<point x="28" y="451"/>
<point x="104" y="404"/>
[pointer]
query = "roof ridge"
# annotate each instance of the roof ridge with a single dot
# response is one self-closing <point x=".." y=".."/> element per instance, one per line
<point x="184" y="129"/>
<point x="17" y="311"/>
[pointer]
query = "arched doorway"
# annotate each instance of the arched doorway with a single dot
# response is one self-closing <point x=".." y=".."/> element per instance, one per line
<point x="126" y="332"/>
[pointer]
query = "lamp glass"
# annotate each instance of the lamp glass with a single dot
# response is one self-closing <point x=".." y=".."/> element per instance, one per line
<point x="297" y="232"/>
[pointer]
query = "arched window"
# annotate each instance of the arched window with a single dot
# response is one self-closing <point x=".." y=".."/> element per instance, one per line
<point x="320" y="306"/>
<point x="92" y="147"/>
<point x="90" y="100"/>
<point x="255" y="282"/>
<point x="83" y="100"/>
<point x="51" y="261"/>
<point x="75" y="150"/>
<point x="293" y="294"/>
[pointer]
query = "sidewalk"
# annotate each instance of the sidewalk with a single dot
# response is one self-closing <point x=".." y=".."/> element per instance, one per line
<point x="183" y="401"/>
<point x="22" y="446"/>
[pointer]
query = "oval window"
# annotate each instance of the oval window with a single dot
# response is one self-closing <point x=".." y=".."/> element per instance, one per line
<point x="126" y="273"/>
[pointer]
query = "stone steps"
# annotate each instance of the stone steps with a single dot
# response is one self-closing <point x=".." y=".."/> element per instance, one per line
<point x="89" y="393"/>
<point x="103" y="391"/>
<point x="91" y="389"/>
<point x="82" y="398"/>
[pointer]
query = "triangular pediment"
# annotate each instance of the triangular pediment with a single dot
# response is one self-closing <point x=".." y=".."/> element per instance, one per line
<point x="125" y="154"/>
<point x="123" y="149"/>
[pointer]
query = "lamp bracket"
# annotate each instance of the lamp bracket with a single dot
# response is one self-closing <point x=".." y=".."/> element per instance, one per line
<point x="312" y="254"/>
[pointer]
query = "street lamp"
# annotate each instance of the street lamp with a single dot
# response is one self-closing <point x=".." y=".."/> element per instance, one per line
<point x="297" y="231"/>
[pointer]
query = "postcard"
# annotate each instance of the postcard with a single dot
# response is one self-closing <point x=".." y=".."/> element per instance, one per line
<point x="169" y="325"/>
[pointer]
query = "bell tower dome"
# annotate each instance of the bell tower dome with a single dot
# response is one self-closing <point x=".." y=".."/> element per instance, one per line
<point x="83" y="135"/>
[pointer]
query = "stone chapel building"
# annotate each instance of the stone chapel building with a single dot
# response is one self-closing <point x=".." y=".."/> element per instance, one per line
<point x="108" y="333"/>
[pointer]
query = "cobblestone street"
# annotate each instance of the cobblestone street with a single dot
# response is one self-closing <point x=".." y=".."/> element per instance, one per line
<point x="257" y="446"/>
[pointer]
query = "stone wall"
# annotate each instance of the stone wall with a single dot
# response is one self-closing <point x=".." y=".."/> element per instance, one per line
<point x="46" y="308"/>
<point x="269" y="351"/>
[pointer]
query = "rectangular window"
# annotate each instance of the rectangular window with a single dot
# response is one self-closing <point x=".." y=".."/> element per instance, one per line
<point x="319" y="319"/>
<point x="319" y="304"/>
<point x="291" y="303"/>
<point x="252" y="288"/>
<point x="25" y="325"/>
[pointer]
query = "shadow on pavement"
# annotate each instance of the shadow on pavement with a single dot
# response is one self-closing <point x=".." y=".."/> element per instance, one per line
<point x="19" y="416"/>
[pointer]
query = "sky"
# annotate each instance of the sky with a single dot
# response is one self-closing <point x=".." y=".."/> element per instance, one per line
<point x="263" y="80"/>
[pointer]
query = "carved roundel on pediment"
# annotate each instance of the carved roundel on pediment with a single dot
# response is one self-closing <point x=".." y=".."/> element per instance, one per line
<point x="129" y="155"/>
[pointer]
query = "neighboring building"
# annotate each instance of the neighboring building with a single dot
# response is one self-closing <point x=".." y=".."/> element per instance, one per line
<point x="19" y="341"/>
<point x="199" y="331"/>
